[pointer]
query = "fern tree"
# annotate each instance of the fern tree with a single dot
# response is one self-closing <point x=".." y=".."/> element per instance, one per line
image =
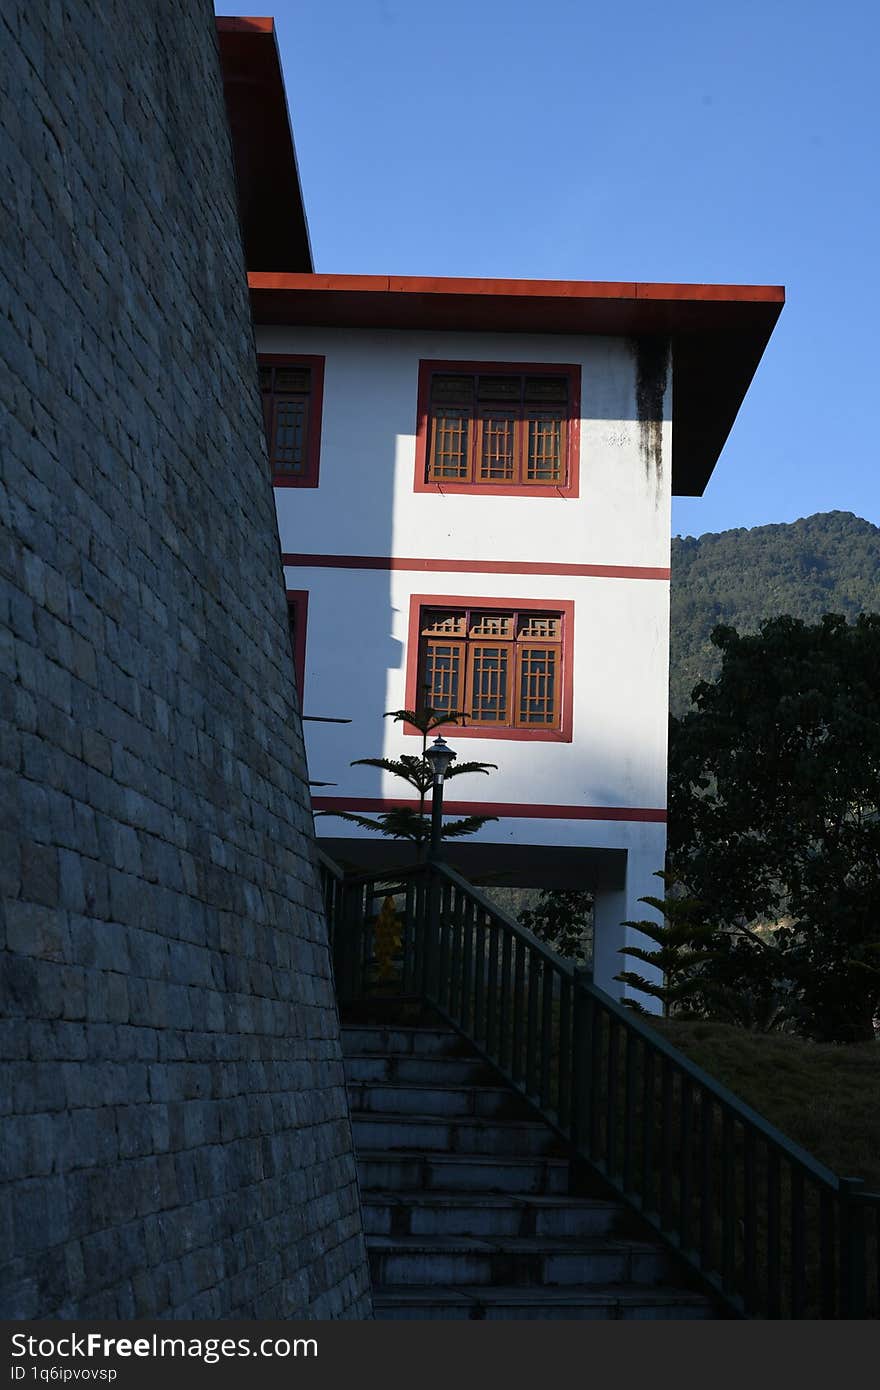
<point x="405" y="822"/>
<point x="683" y="947"/>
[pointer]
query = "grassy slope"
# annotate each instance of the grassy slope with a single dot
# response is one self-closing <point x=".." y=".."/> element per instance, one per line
<point x="826" y="1098"/>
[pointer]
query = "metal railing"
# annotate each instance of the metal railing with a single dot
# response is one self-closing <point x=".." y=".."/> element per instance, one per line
<point x="771" y="1232"/>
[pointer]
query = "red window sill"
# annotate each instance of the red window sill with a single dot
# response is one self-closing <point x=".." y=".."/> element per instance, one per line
<point x="451" y="732"/>
<point x="281" y="481"/>
<point x="500" y="489"/>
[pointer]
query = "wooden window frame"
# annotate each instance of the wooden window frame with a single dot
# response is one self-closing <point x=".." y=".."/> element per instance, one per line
<point x="309" y="476"/>
<point x="489" y="603"/>
<point x="298" y="603"/>
<point x="502" y="488"/>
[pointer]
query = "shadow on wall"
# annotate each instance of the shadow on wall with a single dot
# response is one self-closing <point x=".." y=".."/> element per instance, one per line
<point x="364" y="451"/>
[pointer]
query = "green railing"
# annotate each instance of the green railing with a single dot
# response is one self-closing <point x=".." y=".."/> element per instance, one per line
<point x="768" y="1229"/>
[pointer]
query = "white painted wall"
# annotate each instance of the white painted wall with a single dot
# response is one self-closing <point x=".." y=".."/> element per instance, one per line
<point x="366" y="504"/>
<point x="358" y="619"/>
<point x="355" y="667"/>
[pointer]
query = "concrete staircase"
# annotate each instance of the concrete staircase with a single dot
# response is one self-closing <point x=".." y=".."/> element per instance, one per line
<point x="470" y="1206"/>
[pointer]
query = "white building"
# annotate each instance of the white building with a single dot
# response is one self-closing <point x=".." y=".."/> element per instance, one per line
<point x="473" y="484"/>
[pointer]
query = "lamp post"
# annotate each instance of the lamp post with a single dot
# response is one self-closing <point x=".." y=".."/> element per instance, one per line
<point x="440" y="758"/>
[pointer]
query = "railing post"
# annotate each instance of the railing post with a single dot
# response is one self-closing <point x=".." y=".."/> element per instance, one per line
<point x="852" y="1248"/>
<point x="432" y="945"/>
<point x="581" y="1062"/>
<point x="342" y="943"/>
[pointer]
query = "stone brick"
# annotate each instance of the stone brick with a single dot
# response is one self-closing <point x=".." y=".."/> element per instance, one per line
<point x="178" y="1138"/>
<point x="35" y="930"/>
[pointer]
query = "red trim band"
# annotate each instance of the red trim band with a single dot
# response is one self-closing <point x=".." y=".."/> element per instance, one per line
<point x="503" y="809"/>
<point x="399" y="562"/>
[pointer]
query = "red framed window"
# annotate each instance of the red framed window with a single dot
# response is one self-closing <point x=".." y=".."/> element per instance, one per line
<point x="297" y="614"/>
<point x="292" y="388"/>
<point x="505" y="664"/>
<point x="490" y="427"/>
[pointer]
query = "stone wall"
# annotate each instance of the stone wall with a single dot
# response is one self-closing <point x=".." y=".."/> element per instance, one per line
<point x="176" y="1139"/>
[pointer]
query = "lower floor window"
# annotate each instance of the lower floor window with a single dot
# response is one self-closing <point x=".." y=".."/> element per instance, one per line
<point x="297" y="611"/>
<point x="500" y="668"/>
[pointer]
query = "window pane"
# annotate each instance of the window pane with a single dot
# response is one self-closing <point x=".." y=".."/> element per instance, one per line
<point x="497" y="447"/>
<point x="452" y="390"/>
<point x="489" y="684"/>
<point x="544" y="463"/>
<point x="293" y="379"/>
<point x="491" y="625"/>
<point x="538" y="625"/>
<point x="449" y="443"/>
<point x="500" y="388"/>
<point x="537" y="685"/>
<point x="443" y="661"/>
<point x="443" y="622"/>
<point x="288" y="446"/>
<point x="547" y="388"/>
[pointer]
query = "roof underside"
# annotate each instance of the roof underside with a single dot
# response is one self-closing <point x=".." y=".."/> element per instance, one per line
<point x="718" y="332"/>
<point x="273" y="220"/>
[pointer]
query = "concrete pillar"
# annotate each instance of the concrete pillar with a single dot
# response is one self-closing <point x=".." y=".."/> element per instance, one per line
<point x="617" y="894"/>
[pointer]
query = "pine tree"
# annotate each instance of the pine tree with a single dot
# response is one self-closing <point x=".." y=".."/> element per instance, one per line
<point x="682" y="943"/>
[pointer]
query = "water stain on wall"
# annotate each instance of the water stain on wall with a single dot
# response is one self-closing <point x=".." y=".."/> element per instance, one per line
<point x="652" y="357"/>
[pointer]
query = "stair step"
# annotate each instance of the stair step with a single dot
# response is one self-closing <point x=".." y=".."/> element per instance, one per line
<point x="411" y="1042"/>
<point x="466" y="1199"/>
<point x="619" y="1302"/>
<point x="450" y="1214"/>
<point x="512" y="1260"/>
<point x="424" y="1173"/>
<point x="433" y="1134"/>
<point x="418" y="1071"/>
<point x="396" y="1098"/>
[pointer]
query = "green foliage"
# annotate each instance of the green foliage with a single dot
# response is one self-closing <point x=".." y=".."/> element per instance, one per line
<point x="773" y="810"/>
<point x="827" y="563"/>
<point x="405" y="822"/>
<point x="563" y="919"/>
<point x="683" y="943"/>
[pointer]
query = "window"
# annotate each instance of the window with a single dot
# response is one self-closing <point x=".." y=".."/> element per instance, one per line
<point x="292" y="389"/>
<point x="506" y="668"/>
<point x="498" y="427"/>
<point x="297" y="612"/>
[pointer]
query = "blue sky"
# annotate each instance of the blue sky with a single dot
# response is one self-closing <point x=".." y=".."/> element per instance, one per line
<point x="684" y="142"/>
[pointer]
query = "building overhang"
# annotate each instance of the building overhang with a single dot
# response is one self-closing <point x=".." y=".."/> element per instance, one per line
<point x="271" y="211"/>
<point x="718" y="332"/>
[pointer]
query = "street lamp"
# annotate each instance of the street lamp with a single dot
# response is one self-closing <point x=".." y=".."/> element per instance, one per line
<point x="440" y="758"/>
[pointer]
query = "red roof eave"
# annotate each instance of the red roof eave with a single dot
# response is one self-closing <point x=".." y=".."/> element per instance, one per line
<point x="271" y="210"/>
<point x="718" y="332"/>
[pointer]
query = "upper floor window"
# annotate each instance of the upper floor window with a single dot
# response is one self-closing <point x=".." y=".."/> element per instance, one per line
<point x="292" y="390"/>
<point x="498" y="428"/>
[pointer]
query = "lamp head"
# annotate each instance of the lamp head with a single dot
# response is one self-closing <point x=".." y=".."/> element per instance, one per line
<point x="440" y="758"/>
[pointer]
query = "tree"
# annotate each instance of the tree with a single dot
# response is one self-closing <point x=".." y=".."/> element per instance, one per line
<point x="737" y="974"/>
<point x="404" y="822"/>
<point x="683" y="944"/>
<point x="563" y="918"/>
<point x="773" y="807"/>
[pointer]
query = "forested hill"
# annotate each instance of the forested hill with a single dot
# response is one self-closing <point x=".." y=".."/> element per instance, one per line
<point x="827" y="563"/>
